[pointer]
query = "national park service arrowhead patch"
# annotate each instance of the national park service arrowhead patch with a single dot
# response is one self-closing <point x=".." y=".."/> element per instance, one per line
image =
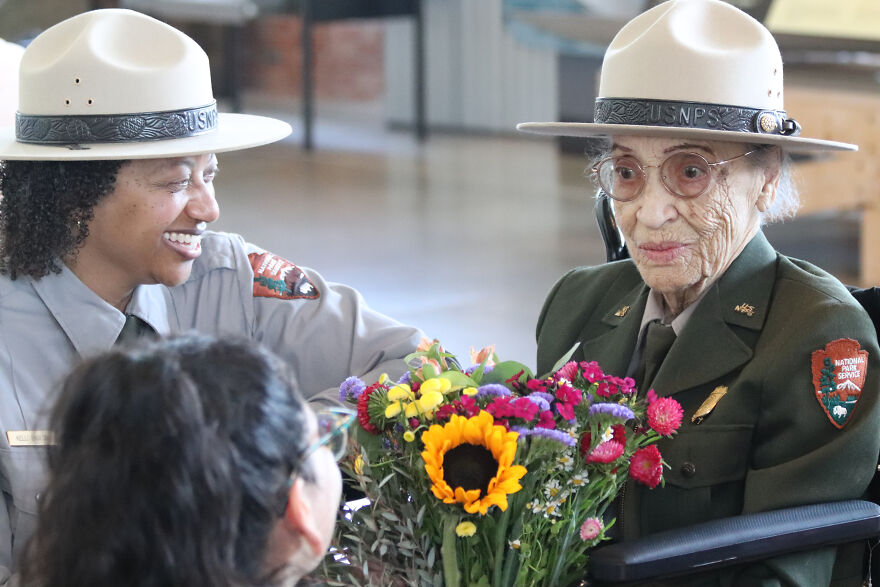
<point x="839" y="372"/>
<point x="275" y="277"/>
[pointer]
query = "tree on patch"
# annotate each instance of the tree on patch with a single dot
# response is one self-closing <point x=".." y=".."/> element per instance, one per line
<point x="826" y="380"/>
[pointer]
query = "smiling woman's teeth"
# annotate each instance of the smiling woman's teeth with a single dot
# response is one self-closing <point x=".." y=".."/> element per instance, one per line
<point x="188" y="240"/>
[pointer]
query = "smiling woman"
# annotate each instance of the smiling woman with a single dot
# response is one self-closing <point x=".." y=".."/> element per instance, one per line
<point x="108" y="184"/>
<point x="754" y="345"/>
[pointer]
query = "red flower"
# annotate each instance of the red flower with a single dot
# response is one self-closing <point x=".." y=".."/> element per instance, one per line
<point x="606" y="452"/>
<point x="565" y="410"/>
<point x="362" y="412"/>
<point x="664" y="415"/>
<point x="645" y="466"/>
<point x="536" y="385"/>
<point x="618" y="433"/>
<point x="568" y="371"/>
<point x="586" y="438"/>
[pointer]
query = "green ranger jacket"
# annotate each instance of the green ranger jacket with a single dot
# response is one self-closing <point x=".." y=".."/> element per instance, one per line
<point x="780" y="436"/>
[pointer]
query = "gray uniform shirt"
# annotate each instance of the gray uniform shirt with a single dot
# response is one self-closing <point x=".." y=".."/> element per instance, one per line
<point x="325" y="331"/>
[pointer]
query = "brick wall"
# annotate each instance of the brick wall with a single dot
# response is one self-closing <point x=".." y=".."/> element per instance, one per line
<point x="348" y="58"/>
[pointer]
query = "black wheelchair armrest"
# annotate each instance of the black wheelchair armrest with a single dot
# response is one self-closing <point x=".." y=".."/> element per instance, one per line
<point x="735" y="540"/>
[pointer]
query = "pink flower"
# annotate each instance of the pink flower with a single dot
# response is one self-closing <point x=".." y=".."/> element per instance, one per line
<point x="591" y="371"/>
<point x="664" y="415"/>
<point x="651" y="397"/>
<point x="569" y="370"/>
<point x="565" y="410"/>
<point x="606" y="452"/>
<point x="591" y="529"/>
<point x="605" y="389"/>
<point x="646" y="466"/>
<point x="627" y="385"/>
<point x="546" y="420"/>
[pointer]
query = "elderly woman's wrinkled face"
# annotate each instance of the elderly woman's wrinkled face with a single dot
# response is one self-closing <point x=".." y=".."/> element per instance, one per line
<point x="681" y="245"/>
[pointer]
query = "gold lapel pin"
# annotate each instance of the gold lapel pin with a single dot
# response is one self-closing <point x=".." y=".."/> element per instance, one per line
<point x="622" y="312"/>
<point x="709" y="404"/>
<point x="746" y="309"/>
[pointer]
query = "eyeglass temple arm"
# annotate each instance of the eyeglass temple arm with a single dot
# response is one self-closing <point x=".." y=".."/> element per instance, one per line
<point x="615" y="247"/>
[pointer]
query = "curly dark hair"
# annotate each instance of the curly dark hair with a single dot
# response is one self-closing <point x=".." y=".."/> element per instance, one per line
<point x="171" y="467"/>
<point x="45" y="210"/>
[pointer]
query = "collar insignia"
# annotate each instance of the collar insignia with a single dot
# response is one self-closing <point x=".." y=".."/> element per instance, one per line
<point x="839" y="372"/>
<point x="622" y="312"/>
<point x="746" y="309"/>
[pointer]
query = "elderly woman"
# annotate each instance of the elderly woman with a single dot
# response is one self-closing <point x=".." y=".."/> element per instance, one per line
<point x="108" y="188"/>
<point x="773" y="361"/>
<point x="193" y="461"/>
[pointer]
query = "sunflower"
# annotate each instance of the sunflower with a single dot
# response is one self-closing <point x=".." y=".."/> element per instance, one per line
<point x="470" y="461"/>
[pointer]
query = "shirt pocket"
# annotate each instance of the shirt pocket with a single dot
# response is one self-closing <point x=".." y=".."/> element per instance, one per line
<point x="704" y="481"/>
<point x="24" y="472"/>
<point x="707" y="455"/>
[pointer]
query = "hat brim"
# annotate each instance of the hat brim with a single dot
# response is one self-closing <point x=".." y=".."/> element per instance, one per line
<point x="234" y="132"/>
<point x="593" y="130"/>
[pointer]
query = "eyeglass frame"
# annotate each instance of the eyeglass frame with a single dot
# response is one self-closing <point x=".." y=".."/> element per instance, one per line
<point x="642" y="168"/>
<point x="343" y="418"/>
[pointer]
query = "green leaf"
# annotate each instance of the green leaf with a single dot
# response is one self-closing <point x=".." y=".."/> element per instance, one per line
<point x="504" y="371"/>
<point x="458" y="379"/>
<point x="563" y="360"/>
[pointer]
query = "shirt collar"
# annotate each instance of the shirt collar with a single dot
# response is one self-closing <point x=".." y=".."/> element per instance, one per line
<point x="91" y="324"/>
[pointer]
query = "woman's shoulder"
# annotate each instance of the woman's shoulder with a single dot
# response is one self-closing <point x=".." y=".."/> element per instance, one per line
<point x="600" y="277"/>
<point x="810" y="281"/>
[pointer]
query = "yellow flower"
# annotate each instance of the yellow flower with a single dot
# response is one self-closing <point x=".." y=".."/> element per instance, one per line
<point x="400" y="392"/>
<point x="430" y="400"/>
<point x="391" y="410"/>
<point x="396" y="395"/>
<point x="437" y="384"/>
<point x="409" y="436"/>
<point x="383" y="378"/>
<point x="471" y="391"/>
<point x="470" y="461"/>
<point x="466" y="529"/>
<point x="359" y="464"/>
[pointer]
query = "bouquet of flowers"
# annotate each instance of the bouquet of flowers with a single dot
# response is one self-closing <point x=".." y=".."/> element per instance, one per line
<point x="489" y="475"/>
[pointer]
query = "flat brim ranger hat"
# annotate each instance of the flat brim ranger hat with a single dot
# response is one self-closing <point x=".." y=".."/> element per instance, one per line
<point x="118" y="84"/>
<point x="698" y="69"/>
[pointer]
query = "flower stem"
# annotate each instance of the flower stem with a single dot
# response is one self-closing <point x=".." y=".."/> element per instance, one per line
<point x="500" y="546"/>
<point x="451" y="574"/>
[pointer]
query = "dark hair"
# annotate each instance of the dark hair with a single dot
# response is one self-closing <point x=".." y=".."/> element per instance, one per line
<point x="171" y="467"/>
<point x="45" y="211"/>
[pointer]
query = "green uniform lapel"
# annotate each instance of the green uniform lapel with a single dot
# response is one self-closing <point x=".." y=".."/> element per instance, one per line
<point x="613" y="347"/>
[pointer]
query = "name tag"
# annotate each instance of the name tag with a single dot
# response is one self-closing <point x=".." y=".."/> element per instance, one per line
<point x="30" y="437"/>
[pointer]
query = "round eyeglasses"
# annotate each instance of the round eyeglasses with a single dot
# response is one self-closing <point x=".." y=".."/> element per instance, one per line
<point x="684" y="175"/>
<point x="333" y="426"/>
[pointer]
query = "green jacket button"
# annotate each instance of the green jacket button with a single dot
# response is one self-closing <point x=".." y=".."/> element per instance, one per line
<point x="688" y="470"/>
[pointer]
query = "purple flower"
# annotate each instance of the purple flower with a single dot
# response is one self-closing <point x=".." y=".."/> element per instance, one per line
<point x="486" y="369"/>
<point x="405" y="378"/>
<point x="351" y="389"/>
<point x="614" y="410"/>
<point x="494" y="390"/>
<point x="544" y="395"/>
<point x="541" y="402"/>
<point x="559" y="436"/>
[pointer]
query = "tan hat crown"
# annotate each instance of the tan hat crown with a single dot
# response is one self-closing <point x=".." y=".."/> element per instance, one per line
<point x="113" y="62"/>
<point x="697" y="51"/>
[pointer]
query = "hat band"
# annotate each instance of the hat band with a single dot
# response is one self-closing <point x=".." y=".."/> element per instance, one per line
<point x="115" y="128"/>
<point x="707" y="116"/>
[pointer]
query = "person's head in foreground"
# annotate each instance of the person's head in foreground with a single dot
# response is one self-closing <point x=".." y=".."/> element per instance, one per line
<point x="192" y="461"/>
<point x="110" y="166"/>
<point x="698" y="142"/>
